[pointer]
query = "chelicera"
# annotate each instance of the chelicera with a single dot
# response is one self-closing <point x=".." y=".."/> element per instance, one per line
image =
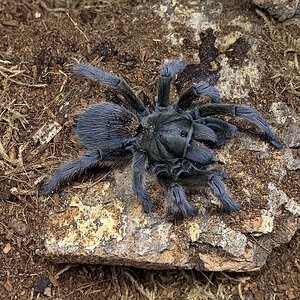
<point x="175" y="142"/>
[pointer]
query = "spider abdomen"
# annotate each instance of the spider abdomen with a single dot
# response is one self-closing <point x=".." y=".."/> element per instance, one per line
<point x="106" y="125"/>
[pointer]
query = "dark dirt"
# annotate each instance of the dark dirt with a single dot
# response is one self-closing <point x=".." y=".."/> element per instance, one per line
<point x="39" y="42"/>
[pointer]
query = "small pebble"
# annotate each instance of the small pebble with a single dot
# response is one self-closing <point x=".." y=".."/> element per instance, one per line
<point x="7" y="248"/>
<point x="19" y="226"/>
<point x="41" y="284"/>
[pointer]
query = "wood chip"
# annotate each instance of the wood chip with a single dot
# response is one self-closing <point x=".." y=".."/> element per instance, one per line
<point x="47" y="132"/>
<point x="8" y="286"/>
<point x="12" y="23"/>
<point x="7" y="248"/>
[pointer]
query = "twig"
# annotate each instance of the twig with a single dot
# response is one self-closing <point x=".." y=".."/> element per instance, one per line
<point x="76" y="26"/>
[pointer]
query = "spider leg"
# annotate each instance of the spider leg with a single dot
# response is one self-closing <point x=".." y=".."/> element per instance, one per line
<point x="69" y="171"/>
<point x="177" y="196"/>
<point x="241" y="111"/>
<point x="113" y="82"/>
<point x="139" y="165"/>
<point x="199" y="154"/>
<point x="197" y="90"/>
<point x="223" y="131"/>
<point x="168" y="72"/>
<point x="219" y="190"/>
<point x="203" y="133"/>
<point x="214" y="179"/>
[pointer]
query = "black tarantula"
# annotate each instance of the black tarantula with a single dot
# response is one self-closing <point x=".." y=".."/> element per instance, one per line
<point x="174" y="142"/>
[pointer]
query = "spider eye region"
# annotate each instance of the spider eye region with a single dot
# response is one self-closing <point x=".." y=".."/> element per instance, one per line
<point x="183" y="133"/>
<point x="166" y="135"/>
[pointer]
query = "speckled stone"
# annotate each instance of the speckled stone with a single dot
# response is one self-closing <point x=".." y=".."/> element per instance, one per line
<point x="280" y="9"/>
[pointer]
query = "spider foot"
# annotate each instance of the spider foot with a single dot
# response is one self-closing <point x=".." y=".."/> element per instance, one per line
<point x="241" y="111"/>
<point x="113" y="82"/>
<point x="168" y="72"/>
<point x="173" y="68"/>
<point x="250" y="114"/>
<point x="146" y="203"/>
<point x="177" y="197"/>
<point x="47" y="188"/>
<point x="219" y="190"/>
<point x="200" y="89"/>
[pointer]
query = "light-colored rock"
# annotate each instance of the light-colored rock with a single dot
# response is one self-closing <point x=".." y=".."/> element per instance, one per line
<point x="104" y="223"/>
<point x="280" y="9"/>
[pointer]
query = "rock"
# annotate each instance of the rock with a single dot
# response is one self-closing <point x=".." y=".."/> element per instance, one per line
<point x="285" y="116"/>
<point x="7" y="248"/>
<point x="41" y="284"/>
<point x="8" y="286"/>
<point x="280" y="9"/>
<point x="292" y="163"/>
<point x="19" y="226"/>
<point x="47" y="132"/>
<point x="48" y="291"/>
<point x="292" y="136"/>
<point x="103" y="223"/>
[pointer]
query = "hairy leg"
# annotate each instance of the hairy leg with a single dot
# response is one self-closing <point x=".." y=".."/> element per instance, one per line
<point x="199" y="154"/>
<point x="200" y="89"/>
<point x="139" y="165"/>
<point x="69" y="171"/>
<point x="224" y="131"/>
<point x="240" y="111"/>
<point x="177" y="197"/>
<point x="113" y="82"/>
<point x="203" y="133"/>
<point x="168" y="72"/>
<point x="214" y="179"/>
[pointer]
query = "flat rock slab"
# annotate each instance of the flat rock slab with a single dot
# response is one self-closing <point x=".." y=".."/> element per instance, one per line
<point x="102" y="223"/>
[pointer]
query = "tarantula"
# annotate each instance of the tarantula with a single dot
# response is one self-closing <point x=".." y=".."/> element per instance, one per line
<point x="175" y="142"/>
